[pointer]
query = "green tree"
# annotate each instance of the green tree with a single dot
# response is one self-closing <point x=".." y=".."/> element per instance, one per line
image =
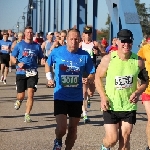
<point x="143" y="16"/>
<point x="104" y="32"/>
<point x="108" y="22"/>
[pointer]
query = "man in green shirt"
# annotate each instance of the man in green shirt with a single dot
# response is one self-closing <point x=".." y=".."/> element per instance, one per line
<point x="119" y="98"/>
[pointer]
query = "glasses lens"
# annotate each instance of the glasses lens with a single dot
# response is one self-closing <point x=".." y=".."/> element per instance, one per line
<point x="126" y="41"/>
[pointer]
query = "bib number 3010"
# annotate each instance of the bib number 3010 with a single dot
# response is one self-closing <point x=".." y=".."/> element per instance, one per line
<point x="70" y="80"/>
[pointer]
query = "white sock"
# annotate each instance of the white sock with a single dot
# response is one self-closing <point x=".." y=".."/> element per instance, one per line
<point x="88" y="97"/>
<point x="84" y="113"/>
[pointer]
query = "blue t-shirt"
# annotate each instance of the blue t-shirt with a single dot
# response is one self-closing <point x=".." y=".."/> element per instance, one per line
<point x="27" y="53"/>
<point x="108" y="49"/>
<point x="69" y="68"/>
<point x="4" y="46"/>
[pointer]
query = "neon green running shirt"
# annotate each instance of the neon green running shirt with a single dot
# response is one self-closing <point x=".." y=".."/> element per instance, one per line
<point x="121" y="82"/>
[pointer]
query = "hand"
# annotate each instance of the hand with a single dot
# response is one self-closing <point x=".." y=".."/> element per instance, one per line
<point x="43" y="61"/>
<point x="84" y="80"/>
<point x="20" y="65"/>
<point x="134" y="98"/>
<point x="51" y="83"/>
<point x="90" y="80"/>
<point x="105" y="104"/>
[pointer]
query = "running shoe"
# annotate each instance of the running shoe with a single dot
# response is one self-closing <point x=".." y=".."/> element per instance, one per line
<point x="4" y="81"/>
<point x="17" y="104"/>
<point x="104" y="148"/>
<point x="57" y="144"/>
<point x="27" y="118"/>
<point x="2" y="78"/>
<point x="86" y="119"/>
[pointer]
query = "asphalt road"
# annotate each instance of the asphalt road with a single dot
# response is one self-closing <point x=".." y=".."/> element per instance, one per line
<point x="15" y="134"/>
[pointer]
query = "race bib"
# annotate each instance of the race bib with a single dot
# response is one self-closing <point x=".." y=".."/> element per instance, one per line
<point x="5" y="47"/>
<point x="70" y="80"/>
<point x="123" y="82"/>
<point x="31" y="72"/>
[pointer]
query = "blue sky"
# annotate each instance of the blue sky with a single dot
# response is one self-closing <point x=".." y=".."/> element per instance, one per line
<point x="12" y="10"/>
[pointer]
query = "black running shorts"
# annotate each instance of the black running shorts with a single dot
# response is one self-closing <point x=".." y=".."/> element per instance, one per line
<point x="70" y="108"/>
<point x="5" y="58"/>
<point x="23" y="82"/>
<point x="114" y="117"/>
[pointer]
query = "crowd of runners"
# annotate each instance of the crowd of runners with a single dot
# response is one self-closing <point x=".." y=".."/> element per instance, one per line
<point x="69" y="58"/>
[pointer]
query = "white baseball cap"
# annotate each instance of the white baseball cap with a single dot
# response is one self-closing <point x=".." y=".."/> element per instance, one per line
<point x="50" y="33"/>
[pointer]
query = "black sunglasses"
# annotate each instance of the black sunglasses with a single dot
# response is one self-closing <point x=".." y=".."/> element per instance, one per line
<point x="127" y="41"/>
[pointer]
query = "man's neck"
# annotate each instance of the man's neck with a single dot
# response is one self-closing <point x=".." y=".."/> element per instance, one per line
<point x="72" y="51"/>
<point x="28" y="41"/>
<point x="123" y="56"/>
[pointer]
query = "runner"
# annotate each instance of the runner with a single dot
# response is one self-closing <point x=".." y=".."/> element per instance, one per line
<point x="26" y="53"/>
<point x="5" y="49"/>
<point x="70" y="63"/>
<point x="38" y="39"/>
<point x="112" y="47"/>
<point x="118" y="100"/>
<point x="56" y="36"/>
<point x="93" y="48"/>
<point x="104" y="43"/>
<point x="19" y="39"/>
<point x="61" y="40"/>
<point x="46" y="48"/>
<point x="12" y="39"/>
<point x="47" y="44"/>
<point x="144" y="53"/>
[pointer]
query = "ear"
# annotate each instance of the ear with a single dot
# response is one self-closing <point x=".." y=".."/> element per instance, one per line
<point x="117" y="41"/>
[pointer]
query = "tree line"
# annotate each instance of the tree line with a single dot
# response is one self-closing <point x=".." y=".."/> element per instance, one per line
<point x="144" y="17"/>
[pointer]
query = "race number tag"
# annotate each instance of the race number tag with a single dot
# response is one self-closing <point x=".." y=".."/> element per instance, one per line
<point x="31" y="72"/>
<point x="123" y="82"/>
<point x="70" y="80"/>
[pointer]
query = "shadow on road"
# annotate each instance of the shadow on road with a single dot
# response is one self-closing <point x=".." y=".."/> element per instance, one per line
<point x="39" y="114"/>
<point x="28" y="128"/>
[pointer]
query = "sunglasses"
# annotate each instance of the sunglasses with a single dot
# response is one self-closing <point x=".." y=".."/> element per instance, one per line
<point x="5" y="34"/>
<point x="127" y="41"/>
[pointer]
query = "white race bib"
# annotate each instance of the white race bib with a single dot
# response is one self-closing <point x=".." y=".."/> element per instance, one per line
<point x="70" y="80"/>
<point x="123" y="82"/>
<point x="31" y="72"/>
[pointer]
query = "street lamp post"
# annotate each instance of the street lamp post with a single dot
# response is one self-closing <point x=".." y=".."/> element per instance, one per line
<point x="40" y="15"/>
<point x="32" y="7"/>
<point x="23" y="17"/>
<point x="18" y="26"/>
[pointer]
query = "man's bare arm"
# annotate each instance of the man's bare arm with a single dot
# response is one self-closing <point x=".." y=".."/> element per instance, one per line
<point x="43" y="46"/>
<point x="13" y="45"/>
<point x="100" y="74"/>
